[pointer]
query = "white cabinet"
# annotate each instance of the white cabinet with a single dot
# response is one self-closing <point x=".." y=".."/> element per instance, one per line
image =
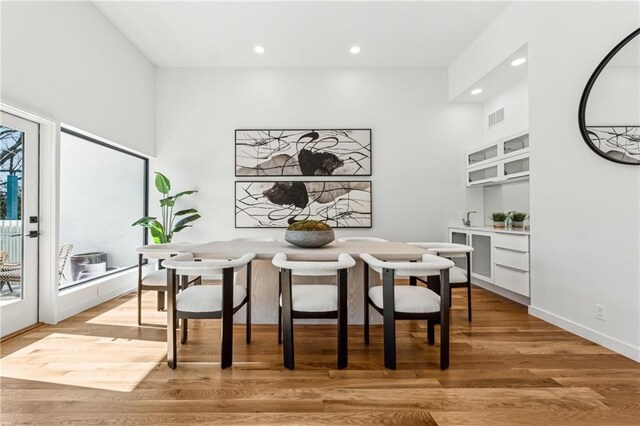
<point x="499" y="258"/>
<point x="499" y="162"/>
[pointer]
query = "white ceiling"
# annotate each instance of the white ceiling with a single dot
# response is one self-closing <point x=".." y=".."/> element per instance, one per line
<point x="391" y="34"/>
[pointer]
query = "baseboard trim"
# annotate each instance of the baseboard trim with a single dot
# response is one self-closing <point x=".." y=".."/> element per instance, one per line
<point x="518" y="298"/>
<point x="596" y="337"/>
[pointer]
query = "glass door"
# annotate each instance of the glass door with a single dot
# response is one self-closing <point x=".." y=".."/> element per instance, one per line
<point x="19" y="158"/>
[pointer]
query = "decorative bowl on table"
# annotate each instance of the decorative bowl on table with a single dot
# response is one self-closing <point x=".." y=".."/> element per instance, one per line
<point x="309" y="234"/>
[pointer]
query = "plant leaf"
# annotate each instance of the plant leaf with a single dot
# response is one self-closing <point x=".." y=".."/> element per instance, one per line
<point x="158" y="237"/>
<point x="168" y="202"/>
<point x="180" y="194"/>
<point x="186" y="220"/>
<point x="180" y="228"/>
<point x="162" y="183"/>
<point x="143" y="221"/>
<point x="183" y="212"/>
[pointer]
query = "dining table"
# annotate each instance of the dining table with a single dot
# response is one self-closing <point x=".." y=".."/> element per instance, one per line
<point x="264" y="278"/>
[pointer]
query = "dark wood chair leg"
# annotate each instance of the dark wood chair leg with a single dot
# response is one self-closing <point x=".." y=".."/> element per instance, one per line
<point x="184" y="331"/>
<point x="413" y="280"/>
<point x="343" y="329"/>
<point x="469" y="285"/>
<point x="160" y="301"/>
<point x="366" y="303"/>
<point x="389" y="318"/>
<point x="139" y="305"/>
<point x="226" y="352"/>
<point x="172" y="356"/>
<point x="287" y="320"/>
<point x="248" y="306"/>
<point x="279" y="308"/>
<point x="431" y="332"/>
<point x="444" y="320"/>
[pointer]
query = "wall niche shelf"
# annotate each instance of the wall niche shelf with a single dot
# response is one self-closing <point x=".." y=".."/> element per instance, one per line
<point x="503" y="161"/>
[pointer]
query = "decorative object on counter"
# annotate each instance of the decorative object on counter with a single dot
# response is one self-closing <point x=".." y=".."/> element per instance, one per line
<point x="517" y="219"/>
<point x="614" y="142"/>
<point x="271" y="204"/>
<point x="498" y="219"/>
<point x="303" y="152"/>
<point x="309" y="234"/>
<point x="162" y="231"/>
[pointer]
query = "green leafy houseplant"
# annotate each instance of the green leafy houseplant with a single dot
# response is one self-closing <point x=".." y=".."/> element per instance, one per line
<point x="170" y="223"/>
<point x="498" y="219"/>
<point x="517" y="219"/>
<point x="499" y="216"/>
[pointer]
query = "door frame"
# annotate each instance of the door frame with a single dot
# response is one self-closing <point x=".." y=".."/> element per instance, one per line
<point x="48" y="216"/>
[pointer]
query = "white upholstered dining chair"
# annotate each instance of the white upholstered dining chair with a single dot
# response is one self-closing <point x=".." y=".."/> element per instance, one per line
<point x="207" y="301"/>
<point x="458" y="278"/>
<point x="409" y="302"/>
<point x="313" y="300"/>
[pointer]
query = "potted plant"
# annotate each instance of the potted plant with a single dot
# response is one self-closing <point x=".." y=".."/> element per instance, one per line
<point x="171" y="222"/>
<point x="517" y="219"/>
<point x="498" y="219"/>
<point x="309" y="234"/>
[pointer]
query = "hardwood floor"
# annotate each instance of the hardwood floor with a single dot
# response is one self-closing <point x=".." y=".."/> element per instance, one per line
<point x="507" y="368"/>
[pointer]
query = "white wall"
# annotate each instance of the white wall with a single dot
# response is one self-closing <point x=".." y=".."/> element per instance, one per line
<point x="66" y="61"/>
<point x="418" y="144"/>
<point x="615" y="97"/>
<point x="585" y="211"/>
<point x="515" y="100"/>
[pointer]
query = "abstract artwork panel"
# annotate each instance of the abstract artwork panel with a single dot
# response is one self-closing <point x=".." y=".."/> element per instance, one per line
<point x="272" y="152"/>
<point x="618" y="142"/>
<point x="269" y="204"/>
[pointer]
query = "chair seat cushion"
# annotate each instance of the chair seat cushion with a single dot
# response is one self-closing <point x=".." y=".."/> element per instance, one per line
<point x="314" y="297"/>
<point x="207" y="298"/>
<point x="408" y="299"/>
<point x="456" y="276"/>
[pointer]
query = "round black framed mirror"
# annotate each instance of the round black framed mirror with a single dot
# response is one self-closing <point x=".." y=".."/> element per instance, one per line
<point x="609" y="111"/>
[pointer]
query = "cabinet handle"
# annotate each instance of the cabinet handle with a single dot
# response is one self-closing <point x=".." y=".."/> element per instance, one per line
<point x="511" y="249"/>
<point x="511" y="268"/>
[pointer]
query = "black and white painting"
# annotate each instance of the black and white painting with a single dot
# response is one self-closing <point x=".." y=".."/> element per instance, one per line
<point x="303" y="152"/>
<point x="269" y="204"/>
<point x="618" y="142"/>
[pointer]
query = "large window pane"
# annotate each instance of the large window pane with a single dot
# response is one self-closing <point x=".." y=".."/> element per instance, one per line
<point x="102" y="192"/>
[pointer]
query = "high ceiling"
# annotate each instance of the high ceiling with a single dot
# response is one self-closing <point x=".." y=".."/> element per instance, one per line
<point x="391" y="34"/>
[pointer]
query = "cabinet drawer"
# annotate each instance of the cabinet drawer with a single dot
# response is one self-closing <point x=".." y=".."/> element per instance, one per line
<point x="512" y="279"/>
<point x="513" y="242"/>
<point x="514" y="259"/>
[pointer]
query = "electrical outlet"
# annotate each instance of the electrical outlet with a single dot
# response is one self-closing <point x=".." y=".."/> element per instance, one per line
<point x="600" y="312"/>
<point x="101" y="290"/>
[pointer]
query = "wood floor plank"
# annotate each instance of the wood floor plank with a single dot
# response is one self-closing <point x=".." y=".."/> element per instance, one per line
<point x="507" y="368"/>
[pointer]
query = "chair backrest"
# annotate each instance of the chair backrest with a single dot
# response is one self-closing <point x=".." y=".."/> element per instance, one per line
<point x="362" y="239"/>
<point x="185" y="264"/>
<point x="63" y="256"/>
<point x="314" y="268"/>
<point x="447" y="250"/>
<point x="429" y="265"/>
<point x="162" y="251"/>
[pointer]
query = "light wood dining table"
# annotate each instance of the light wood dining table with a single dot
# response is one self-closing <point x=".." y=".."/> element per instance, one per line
<point x="264" y="278"/>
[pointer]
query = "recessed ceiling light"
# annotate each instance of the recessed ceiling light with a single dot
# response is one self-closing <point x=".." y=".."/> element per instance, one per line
<point x="476" y="91"/>
<point x="517" y="62"/>
<point x="355" y="50"/>
<point x="258" y="49"/>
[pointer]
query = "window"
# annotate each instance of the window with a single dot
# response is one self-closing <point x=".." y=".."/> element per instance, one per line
<point x="103" y="190"/>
